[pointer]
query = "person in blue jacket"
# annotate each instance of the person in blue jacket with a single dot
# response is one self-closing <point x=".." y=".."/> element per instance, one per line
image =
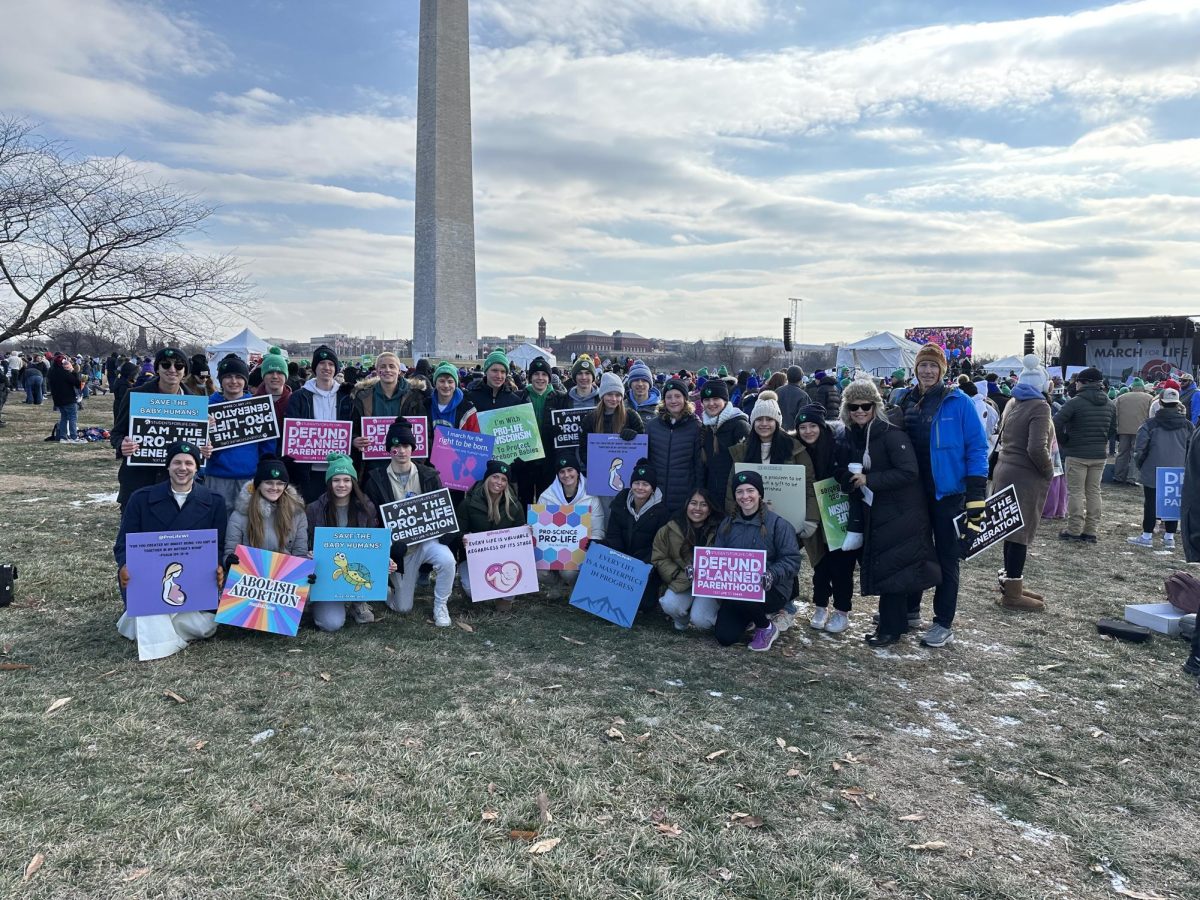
<point x="177" y="504"/>
<point x="952" y="450"/>
<point x="226" y="471"/>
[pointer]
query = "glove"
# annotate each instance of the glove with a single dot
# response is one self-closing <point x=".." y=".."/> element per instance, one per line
<point x="808" y="529"/>
<point x="312" y="578"/>
<point x="689" y="571"/>
<point x="628" y="434"/>
<point x="768" y="580"/>
<point x="123" y="577"/>
<point x="854" y="540"/>
<point x="975" y="515"/>
<point x="230" y="561"/>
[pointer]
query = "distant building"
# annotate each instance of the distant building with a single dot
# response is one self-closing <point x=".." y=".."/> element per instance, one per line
<point x="618" y="343"/>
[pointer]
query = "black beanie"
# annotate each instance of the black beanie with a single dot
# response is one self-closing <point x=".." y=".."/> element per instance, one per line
<point x="715" y="387"/>
<point x="199" y="365"/>
<point x="400" y="432"/>
<point x="674" y="384"/>
<point x="813" y="414"/>
<point x="325" y="352"/>
<point x="565" y="461"/>
<point x="271" y="468"/>
<point x="232" y="365"/>
<point x="183" y="447"/>
<point x="495" y="467"/>
<point x="1090" y="375"/>
<point x="539" y="364"/>
<point x="644" y="471"/>
<point x="170" y="354"/>
<point x="751" y="478"/>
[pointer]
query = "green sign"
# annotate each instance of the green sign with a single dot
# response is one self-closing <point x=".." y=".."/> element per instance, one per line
<point x="835" y="511"/>
<point x="515" y="430"/>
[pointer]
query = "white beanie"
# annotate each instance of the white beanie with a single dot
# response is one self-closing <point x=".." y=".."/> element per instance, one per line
<point x="610" y="383"/>
<point x="1034" y="374"/>
<point x="767" y="407"/>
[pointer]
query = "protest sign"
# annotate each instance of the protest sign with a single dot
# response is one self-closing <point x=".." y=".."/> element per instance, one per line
<point x="246" y="420"/>
<point x="500" y="563"/>
<point x="460" y="456"/>
<point x="1001" y="518"/>
<point x="424" y="517"/>
<point x="351" y="564"/>
<point x="171" y="572"/>
<point x="156" y="421"/>
<point x="374" y="429"/>
<point x="265" y="591"/>
<point x="610" y="461"/>
<point x="784" y="487"/>
<point x="1168" y="493"/>
<point x="610" y="585"/>
<point x="728" y="574"/>
<point x="515" y="429"/>
<point x="835" y="511"/>
<point x="311" y="440"/>
<point x="568" y="427"/>
<point x="557" y="533"/>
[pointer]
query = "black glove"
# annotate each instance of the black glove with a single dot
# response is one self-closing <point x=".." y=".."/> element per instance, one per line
<point x="976" y="488"/>
<point x="312" y="578"/>
<point x="399" y="548"/>
<point x="628" y="434"/>
<point x="230" y="561"/>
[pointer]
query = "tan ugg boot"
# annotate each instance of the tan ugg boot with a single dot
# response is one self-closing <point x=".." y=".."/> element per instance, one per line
<point x="1015" y="598"/>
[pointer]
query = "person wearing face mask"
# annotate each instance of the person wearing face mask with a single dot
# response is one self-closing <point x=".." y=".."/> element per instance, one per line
<point x="274" y="371"/>
<point x="170" y="367"/>
<point x="565" y="490"/>
<point x="673" y="555"/>
<point x="724" y="427"/>
<point x="876" y="467"/>
<point x="177" y="504"/>
<point x="317" y="399"/>
<point x="634" y="518"/>
<point x="387" y="394"/>
<point x="673" y="439"/>
<point x="228" y="469"/>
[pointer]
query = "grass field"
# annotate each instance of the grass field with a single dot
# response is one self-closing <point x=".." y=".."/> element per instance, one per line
<point x="1029" y="759"/>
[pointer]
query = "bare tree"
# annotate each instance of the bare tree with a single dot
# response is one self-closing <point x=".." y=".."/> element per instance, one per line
<point x="92" y="235"/>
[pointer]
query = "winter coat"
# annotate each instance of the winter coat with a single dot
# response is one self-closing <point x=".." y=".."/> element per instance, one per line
<point x="633" y="422"/>
<point x="130" y="478"/>
<point x="236" y="462"/>
<point x="281" y="402"/>
<point x="485" y="400"/>
<point x="368" y="400"/>
<point x="1133" y="409"/>
<point x="957" y="445"/>
<point x="302" y="405"/>
<point x="647" y="408"/>
<point x="458" y="413"/>
<point x="898" y="555"/>
<point x="153" y="509"/>
<point x="296" y="543"/>
<point x="1024" y="460"/>
<point x="792" y="399"/>
<point x="1161" y="442"/>
<point x="669" y="558"/>
<point x="64" y="386"/>
<point x="473" y="512"/>
<point x="554" y="494"/>
<point x="1189" y="516"/>
<point x="1085" y="423"/>
<point x="315" y="514"/>
<point x="829" y="395"/>
<point x="767" y="532"/>
<point x="674" y="451"/>
<point x="633" y="533"/>
<point x="717" y="437"/>
<point x="378" y="487"/>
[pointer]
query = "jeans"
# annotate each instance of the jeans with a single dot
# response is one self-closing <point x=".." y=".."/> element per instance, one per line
<point x="68" y="418"/>
<point x="403" y="586"/>
<point x="1083" y="501"/>
<point x="734" y="615"/>
<point x="1124" y="458"/>
<point x="683" y="607"/>
<point x="33" y="388"/>
<point x="329" y="616"/>
<point x="946" y="543"/>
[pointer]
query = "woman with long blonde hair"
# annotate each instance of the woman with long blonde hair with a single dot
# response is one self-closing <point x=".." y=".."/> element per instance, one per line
<point x="491" y="504"/>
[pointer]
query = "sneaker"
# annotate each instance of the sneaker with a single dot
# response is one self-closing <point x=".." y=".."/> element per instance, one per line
<point x="820" y="618"/>
<point x="680" y="624"/>
<point x="361" y="613"/>
<point x="1088" y="538"/>
<point x="441" y="615"/>
<point x="784" y="619"/>
<point x="937" y="636"/>
<point x="1067" y="536"/>
<point x="764" y="638"/>
<point x="1192" y="666"/>
<point x="838" y="622"/>
<point x="1141" y="541"/>
<point x="1168" y="542"/>
<point x="914" y="621"/>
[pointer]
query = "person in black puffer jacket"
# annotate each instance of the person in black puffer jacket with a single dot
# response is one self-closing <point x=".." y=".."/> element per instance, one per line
<point x="827" y="393"/>
<point x="636" y="515"/>
<point x="725" y="426"/>
<point x="674" y="445"/>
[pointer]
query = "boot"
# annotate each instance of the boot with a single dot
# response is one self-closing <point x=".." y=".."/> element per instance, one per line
<point x="1002" y="576"/>
<point x="1015" y="598"/>
<point x="441" y="614"/>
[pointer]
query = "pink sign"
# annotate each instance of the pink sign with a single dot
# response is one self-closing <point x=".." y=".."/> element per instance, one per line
<point x="729" y="574"/>
<point x="374" y="429"/>
<point x="311" y="440"/>
<point x="501" y="563"/>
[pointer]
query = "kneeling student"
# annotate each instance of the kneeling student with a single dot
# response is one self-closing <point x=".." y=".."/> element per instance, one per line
<point x="567" y="489"/>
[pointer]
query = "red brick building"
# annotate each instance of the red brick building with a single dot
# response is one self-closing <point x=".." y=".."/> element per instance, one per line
<point x="619" y="343"/>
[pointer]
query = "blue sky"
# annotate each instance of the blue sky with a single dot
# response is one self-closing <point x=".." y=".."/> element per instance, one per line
<point x="672" y="167"/>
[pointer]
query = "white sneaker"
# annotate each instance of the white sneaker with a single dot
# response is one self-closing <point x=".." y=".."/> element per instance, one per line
<point x="820" y="618"/>
<point x="680" y="624"/>
<point x="361" y="613"/>
<point x="838" y="622"/>
<point x="784" y="620"/>
<point x="1168" y="541"/>
<point x="441" y="615"/>
<point x="1141" y="541"/>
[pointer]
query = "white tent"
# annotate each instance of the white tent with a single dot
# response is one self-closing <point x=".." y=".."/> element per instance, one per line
<point x="246" y="344"/>
<point x="525" y="354"/>
<point x="1006" y="365"/>
<point x="879" y="354"/>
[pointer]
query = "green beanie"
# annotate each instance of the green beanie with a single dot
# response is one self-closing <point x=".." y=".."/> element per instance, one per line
<point x="496" y="356"/>
<point x="582" y="364"/>
<point x="444" y="368"/>
<point x="1138" y="385"/>
<point x="703" y="373"/>
<point x="339" y="464"/>
<point x="898" y="375"/>
<point x="723" y="372"/>
<point x="1005" y="389"/>
<point x="274" y="361"/>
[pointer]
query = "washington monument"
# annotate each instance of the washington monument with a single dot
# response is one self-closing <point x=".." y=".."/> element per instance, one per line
<point x="444" y="321"/>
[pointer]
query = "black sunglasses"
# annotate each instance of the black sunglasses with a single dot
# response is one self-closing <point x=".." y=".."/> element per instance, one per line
<point x="859" y="407"/>
<point x="177" y="366"/>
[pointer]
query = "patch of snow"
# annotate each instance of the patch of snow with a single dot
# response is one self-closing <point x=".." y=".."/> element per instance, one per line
<point x="943" y="722"/>
<point x="956" y="677"/>
<point x="1005" y="721"/>
<point x="915" y="730"/>
<point x="34" y="500"/>
<point x="712" y="727"/>
<point x="96" y="498"/>
<point x="648" y="721"/>
<point x="715" y="694"/>
<point x="1031" y="833"/>
<point x="1025" y="684"/>
<point x="673" y="682"/>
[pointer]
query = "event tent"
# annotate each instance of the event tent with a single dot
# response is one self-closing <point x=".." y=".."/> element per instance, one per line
<point x="1006" y="365"/>
<point x="879" y="354"/>
<point x="526" y="353"/>
<point x="246" y="344"/>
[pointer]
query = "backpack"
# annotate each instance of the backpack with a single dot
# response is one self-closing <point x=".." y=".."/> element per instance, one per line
<point x="1183" y="590"/>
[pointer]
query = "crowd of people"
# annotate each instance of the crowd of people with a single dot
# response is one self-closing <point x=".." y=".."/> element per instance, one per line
<point x="916" y="457"/>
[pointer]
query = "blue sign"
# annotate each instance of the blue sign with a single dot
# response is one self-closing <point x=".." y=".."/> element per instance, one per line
<point x="610" y="585"/>
<point x="352" y="564"/>
<point x="610" y="462"/>
<point x="1168" y="492"/>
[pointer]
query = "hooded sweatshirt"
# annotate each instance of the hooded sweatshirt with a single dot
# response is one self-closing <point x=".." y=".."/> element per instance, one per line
<point x="554" y="494"/>
<point x="324" y="402"/>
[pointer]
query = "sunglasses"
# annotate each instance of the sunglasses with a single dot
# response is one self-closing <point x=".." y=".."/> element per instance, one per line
<point x="177" y="366"/>
<point x="859" y="407"/>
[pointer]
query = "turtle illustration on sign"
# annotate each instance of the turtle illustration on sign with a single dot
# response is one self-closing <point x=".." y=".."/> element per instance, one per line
<point x="356" y="574"/>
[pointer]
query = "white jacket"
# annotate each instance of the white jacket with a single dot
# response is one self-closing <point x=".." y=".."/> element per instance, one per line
<point x="554" y="494"/>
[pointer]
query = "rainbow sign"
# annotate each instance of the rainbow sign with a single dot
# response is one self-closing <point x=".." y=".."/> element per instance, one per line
<point x="265" y="591"/>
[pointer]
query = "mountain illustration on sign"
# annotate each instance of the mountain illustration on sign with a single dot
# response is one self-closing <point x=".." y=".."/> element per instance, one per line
<point x="172" y="594"/>
<point x="600" y="606"/>
<point x="356" y="574"/>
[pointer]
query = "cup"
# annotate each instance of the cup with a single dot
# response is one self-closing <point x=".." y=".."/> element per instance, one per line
<point x="855" y="468"/>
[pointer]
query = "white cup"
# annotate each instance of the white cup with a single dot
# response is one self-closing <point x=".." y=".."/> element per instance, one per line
<point x="855" y="468"/>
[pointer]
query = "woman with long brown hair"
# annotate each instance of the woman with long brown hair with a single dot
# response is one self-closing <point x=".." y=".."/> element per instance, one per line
<point x="269" y="514"/>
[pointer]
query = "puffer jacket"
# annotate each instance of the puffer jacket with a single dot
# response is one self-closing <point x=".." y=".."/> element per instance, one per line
<point x="633" y="533"/>
<point x="485" y="399"/>
<point x="829" y="395"/>
<point x="767" y="532"/>
<point x="296" y="543"/>
<point x="473" y="512"/>
<point x="674" y="451"/>
<point x="1133" y="409"/>
<point x="1161" y="443"/>
<point x="670" y="559"/>
<point x="1086" y="422"/>
<point x="717" y="437"/>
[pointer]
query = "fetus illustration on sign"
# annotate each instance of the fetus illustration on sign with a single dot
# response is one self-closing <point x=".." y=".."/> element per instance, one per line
<point x="172" y="594"/>
<point x="615" y="481"/>
<point x="503" y="577"/>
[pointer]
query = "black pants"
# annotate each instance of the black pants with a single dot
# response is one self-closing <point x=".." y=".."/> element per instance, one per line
<point x="833" y="577"/>
<point x="1014" y="559"/>
<point x="945" y="541"/>
<point x="734" y="615"/>
<point x="893" y="613"/>
<point x="1149" y="504"/>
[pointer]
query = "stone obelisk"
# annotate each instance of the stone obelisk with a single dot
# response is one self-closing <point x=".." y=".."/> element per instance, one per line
<point x="444" y="318"/>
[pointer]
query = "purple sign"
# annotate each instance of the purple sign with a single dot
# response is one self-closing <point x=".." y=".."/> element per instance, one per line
<point x="171" y="572"/>
<point x="460" y="456"/>
<point x="610" y="462"/>
<point x="729" y="574"/>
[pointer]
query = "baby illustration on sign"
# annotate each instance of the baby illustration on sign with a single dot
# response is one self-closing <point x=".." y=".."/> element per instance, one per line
<point x="615" y="481"/>
<point x="172" y="594"/>
<point x="504" y="576"/>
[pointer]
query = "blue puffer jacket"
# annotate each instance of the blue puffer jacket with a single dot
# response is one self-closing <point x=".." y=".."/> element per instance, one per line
<point x="958" y="446"/>
<point x="235" y="462"/>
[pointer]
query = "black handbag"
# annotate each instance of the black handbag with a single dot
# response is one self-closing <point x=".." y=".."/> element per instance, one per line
<point x="8" y="574"/>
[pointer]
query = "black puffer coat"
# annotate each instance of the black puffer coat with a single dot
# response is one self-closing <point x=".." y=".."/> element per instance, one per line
<point x="674" y="451"/>
<point x="898" y="555"/>
<point x="635" y="536"/>
<point x="716" y="439"/>
<point x="829" y="395"/>
<point x="1085" y="422"/>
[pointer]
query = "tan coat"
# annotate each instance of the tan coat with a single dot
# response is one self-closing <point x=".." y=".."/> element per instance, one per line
<point x="1133" y="408"/>
<point x="1025" y="463"/>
